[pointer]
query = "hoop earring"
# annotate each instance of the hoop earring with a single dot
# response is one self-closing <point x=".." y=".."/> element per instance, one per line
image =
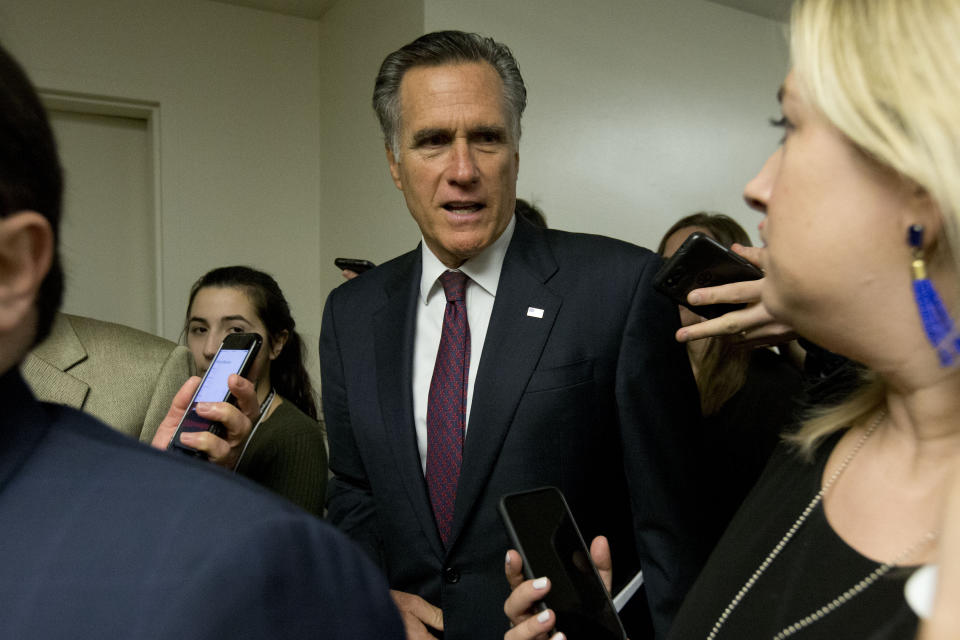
<point x="936" y="319"/>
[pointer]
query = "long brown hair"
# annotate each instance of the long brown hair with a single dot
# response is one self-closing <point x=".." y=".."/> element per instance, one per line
<point x="722" y="368"/>
<point x="288" y="375"/>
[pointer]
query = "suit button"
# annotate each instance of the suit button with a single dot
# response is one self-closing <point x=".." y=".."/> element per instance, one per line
<point x="451" y="575"/>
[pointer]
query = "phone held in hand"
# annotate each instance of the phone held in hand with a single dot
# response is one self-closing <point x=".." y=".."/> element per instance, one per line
<point x="700" y="262"/>
<point x="236" y="355"/>
<point x="543" y="531"/>
<point x="357" y="265"/>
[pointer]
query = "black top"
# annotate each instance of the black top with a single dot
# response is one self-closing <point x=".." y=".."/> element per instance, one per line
<point x="815" y="567"/>
<point x="737" y="441"/>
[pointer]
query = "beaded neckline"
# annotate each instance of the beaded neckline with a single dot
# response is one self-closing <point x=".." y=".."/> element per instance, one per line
<point x="847" y="595"/>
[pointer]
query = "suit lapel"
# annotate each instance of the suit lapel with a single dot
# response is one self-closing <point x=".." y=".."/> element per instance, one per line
<point x="394" y="332"/>
<point x="47" y="366"/>
<point x="515" y="339"/>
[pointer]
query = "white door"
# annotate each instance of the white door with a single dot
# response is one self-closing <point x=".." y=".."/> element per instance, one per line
<point x="108" y="237"/>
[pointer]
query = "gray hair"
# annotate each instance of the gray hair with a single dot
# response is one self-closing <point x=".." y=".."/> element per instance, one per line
<point x="440" y="48"/>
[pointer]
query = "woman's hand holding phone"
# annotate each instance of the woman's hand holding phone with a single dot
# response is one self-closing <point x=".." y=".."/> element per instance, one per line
<point x="526" y="621"/>
<point x="236" y="420"/>
<point x="754" y="323"/>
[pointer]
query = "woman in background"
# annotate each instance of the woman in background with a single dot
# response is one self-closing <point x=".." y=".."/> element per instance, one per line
<point x="862" y="232"/>
<point x="285" y="451"/>
<point x="747" y="396"/>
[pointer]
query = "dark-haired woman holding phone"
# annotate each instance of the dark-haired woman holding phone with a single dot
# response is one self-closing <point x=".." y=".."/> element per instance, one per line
<point x="285" y="451"/>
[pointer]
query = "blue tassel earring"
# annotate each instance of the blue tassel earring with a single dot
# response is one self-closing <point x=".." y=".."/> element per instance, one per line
<point x="936" y="320"/>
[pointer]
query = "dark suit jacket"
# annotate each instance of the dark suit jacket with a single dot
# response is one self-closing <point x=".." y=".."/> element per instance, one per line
<point x="104" y="537"/>
<point x="557" y="401"/>
<point x="120" y="375"/>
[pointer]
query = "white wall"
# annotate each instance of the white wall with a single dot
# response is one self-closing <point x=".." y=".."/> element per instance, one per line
<point x="639" y="111"/>
<point x="363" y="213"/>
<point x="239" y="97"/>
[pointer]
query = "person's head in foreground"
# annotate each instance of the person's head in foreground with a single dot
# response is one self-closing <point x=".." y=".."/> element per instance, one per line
<point x="31" y="190"/>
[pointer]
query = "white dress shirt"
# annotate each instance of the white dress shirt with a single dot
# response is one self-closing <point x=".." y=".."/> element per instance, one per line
<point x="484" y="273"/>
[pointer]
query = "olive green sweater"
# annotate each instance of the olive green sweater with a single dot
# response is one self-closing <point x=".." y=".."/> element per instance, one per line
<point x="287" y="455"/>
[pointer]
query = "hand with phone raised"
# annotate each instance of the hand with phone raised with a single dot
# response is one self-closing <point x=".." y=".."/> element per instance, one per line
<point x="754" y="323"/>
<point x="237" y="421"/>
<point x="528" y="620"/>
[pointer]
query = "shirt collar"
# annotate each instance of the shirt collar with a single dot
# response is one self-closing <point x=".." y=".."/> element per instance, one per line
<point x="483" y="268"/>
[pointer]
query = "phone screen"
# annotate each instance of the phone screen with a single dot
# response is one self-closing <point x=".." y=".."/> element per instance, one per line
<point x="235" y="355"/>
<point x="542" y="528"/>
<point x="214" y="386"/>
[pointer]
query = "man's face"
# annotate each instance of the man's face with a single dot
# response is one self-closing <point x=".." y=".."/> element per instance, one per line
<point x="457" y="164"/>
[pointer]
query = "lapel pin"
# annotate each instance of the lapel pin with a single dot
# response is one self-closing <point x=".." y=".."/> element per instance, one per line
<point x="533" y="312"/>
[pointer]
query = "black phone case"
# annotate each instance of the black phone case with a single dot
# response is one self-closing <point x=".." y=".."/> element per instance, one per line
<point x="701" y="261"/>
<point x="216" y="428"/>
<point x="357" y="265"/>
<point x="573" y="628"/>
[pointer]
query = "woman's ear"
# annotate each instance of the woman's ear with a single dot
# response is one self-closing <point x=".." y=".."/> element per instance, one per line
<point x="922" y="209"/>
<point x="26" y="253"/>
<point x="276" y="345"/>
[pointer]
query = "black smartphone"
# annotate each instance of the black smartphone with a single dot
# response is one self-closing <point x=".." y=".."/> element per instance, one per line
<point x="236" y="355"/>
<point x="357" y="265"/>
<point x="543" y="531"/>
<point x="701" y="261"/>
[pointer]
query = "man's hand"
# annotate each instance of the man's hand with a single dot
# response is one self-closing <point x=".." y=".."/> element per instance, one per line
<point x="417" y="615"/>
<point x="237" y="421"/>
<point x="754" y="323"/>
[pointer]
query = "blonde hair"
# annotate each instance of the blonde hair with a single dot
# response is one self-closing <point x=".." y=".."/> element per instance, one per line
<point x="885" y="73"/>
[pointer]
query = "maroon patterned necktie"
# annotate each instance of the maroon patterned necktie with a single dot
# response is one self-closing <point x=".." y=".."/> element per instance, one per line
<point x="447" y="403"/>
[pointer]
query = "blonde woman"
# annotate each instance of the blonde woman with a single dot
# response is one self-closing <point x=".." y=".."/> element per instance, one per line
<point x="861" y="230"/>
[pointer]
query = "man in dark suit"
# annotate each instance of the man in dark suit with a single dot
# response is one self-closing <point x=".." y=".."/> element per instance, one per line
<point x="569" y="363"/>
<point x="104" y="537"/>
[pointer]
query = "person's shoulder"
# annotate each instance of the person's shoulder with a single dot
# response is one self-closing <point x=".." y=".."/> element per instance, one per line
<point x="385" y="272"/>
<point x="99" y="335"/>
<point x="370" y="286"/>
<point x="168" y="484"/>
<point x="597" y="247"/>
<point x="601" y="260"/>
<point x="293" y="420"/>
<point x="235" y="558"/>
<point x="92" y="438"/>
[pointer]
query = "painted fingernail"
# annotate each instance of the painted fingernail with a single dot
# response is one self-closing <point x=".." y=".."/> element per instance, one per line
<point x="543" y="616"/>
<point x="540" y="583"/>
<point x="558" y="636"/>
<point x="508" y="559"/>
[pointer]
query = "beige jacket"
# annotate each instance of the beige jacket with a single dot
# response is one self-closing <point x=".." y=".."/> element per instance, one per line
<point x="123" y="376"/>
